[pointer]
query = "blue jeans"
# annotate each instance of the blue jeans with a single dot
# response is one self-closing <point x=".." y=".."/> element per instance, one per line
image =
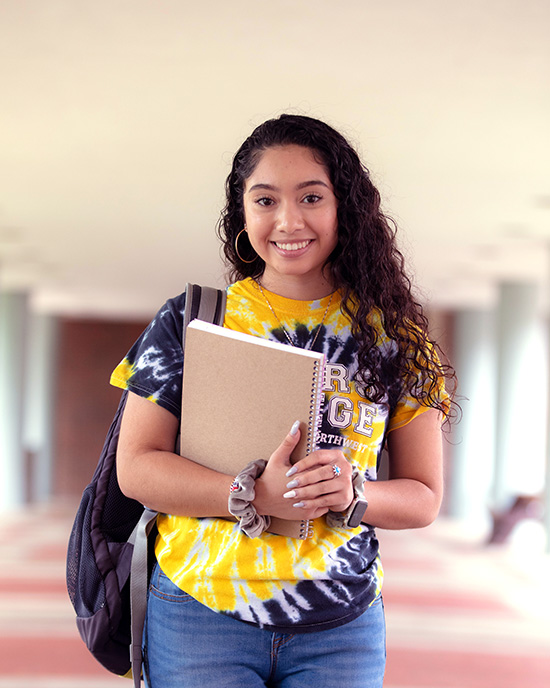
<point x="188" y="645"/>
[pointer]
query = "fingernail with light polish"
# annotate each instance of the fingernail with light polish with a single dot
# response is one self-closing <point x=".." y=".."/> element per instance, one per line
<point x="299" y="504"/>
<point x="291" y="471"/>
<point x="293" y="483"/>
<point x="294" y="429"/>
<point x="290" y="495"/>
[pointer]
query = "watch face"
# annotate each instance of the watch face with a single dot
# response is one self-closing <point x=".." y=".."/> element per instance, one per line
<point x="357" y="512"/>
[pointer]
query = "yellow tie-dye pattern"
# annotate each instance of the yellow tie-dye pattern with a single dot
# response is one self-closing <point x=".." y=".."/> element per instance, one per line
<point x="210" y="558"/>
<point x="122" y="373"/>
<point x="262" y="565"/>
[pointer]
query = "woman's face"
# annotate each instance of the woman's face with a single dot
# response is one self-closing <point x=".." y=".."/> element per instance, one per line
<point x="291" y="218"/>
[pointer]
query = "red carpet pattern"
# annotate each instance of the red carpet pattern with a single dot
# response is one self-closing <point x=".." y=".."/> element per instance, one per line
<point x="459" y="615"/>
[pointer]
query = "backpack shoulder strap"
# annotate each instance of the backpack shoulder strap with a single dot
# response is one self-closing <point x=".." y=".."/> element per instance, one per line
<point x="139" y="581"/>
<point x="204" y="303"/>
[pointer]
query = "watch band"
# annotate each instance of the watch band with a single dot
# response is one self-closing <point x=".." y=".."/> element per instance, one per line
<point x="353" y="515"/>
<point x="356" y="511"/>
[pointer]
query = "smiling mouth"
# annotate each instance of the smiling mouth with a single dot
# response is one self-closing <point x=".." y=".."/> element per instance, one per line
<point x="294" y="246"/>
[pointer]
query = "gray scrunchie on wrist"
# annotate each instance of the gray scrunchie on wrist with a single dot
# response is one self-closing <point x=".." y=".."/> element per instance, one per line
<point x="240" y="500"/>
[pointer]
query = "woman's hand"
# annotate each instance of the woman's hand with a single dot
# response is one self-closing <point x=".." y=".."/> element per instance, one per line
<point x="321" y="481"/>
<point x="306" y="490"/>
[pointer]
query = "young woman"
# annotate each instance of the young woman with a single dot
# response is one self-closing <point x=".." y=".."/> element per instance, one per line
<point x="314" y="264"/>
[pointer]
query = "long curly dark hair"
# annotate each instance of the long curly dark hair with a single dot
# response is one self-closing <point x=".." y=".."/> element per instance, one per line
<point x="366" y="265"/>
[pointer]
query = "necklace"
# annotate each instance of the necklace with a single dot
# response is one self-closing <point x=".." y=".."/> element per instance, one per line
<point x="284" y="328"/>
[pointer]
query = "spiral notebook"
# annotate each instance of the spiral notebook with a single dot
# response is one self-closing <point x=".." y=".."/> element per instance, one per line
<point x="242" y="394"/>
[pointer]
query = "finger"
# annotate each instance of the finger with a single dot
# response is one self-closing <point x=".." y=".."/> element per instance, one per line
<point x="323" y="494"/>
<point x="316" y="475"/>
<point x="320" y="474"/>
<point x="285" y="449"/>
<point x="319" y="457"/>
<point x="325" y="502"/>
<point x="308" y="512"/>
<point x="307" y="487"/>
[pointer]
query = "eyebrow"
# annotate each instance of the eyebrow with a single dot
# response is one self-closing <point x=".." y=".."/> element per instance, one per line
<point x="302" y="185"/>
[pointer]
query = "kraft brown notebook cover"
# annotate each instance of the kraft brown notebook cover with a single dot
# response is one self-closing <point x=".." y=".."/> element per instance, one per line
<point x="241" y="395"/>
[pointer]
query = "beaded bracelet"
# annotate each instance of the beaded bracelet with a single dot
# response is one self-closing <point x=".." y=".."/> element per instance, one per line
<point x="241" y="495"/>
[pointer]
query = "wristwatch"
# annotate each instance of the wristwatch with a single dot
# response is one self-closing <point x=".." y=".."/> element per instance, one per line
<point x="356" y="510"/>
<point x="353" y="515"/>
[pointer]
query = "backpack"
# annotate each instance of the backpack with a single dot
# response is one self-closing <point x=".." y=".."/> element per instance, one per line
<point x="109" y="560"/>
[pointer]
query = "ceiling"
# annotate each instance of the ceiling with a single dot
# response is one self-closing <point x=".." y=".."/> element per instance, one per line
<point x="118" y="121"/>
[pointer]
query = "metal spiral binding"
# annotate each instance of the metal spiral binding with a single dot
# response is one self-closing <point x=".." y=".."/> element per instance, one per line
<point x="314" y="410"/>
<point x="306" y="529"/>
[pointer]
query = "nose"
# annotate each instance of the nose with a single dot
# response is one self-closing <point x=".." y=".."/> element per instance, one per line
<point x="289" y="217"/>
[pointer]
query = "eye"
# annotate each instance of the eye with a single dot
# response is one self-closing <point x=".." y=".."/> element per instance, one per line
<point x="311" y="198"/>
<point x="264" y="201"/>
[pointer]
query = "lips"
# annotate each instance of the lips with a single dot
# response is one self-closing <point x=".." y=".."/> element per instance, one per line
<point x="295" y="246"/>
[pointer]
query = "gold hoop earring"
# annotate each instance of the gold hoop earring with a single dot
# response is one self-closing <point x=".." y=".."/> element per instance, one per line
<point x="237" y="248"/>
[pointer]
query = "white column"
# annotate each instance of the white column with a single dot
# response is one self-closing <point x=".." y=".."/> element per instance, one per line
<point x="546" y="494"/>
<point x="473" y="438"/>
<point x="39" y="403"/>
<point x="13" y="312"/>
<point x="521" y="394"/>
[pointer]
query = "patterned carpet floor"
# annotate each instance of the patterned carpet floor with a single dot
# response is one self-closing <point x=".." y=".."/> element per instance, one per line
<point x="459" y="614"/>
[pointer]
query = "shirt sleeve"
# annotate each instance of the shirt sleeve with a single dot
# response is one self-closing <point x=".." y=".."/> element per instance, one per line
<point x="153" y="367"/>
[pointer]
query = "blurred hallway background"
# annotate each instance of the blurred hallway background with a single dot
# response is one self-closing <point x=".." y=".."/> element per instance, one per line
<point x="118" y="122"/>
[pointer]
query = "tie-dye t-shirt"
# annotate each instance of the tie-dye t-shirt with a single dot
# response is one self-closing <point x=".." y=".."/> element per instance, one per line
<point x="278" y="583"/>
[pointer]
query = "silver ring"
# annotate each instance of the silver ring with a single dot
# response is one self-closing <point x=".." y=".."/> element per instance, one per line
<point x="336" y="471"/>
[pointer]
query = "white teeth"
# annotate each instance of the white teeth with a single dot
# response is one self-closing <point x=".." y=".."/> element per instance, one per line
<point x="293" y="247"/>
